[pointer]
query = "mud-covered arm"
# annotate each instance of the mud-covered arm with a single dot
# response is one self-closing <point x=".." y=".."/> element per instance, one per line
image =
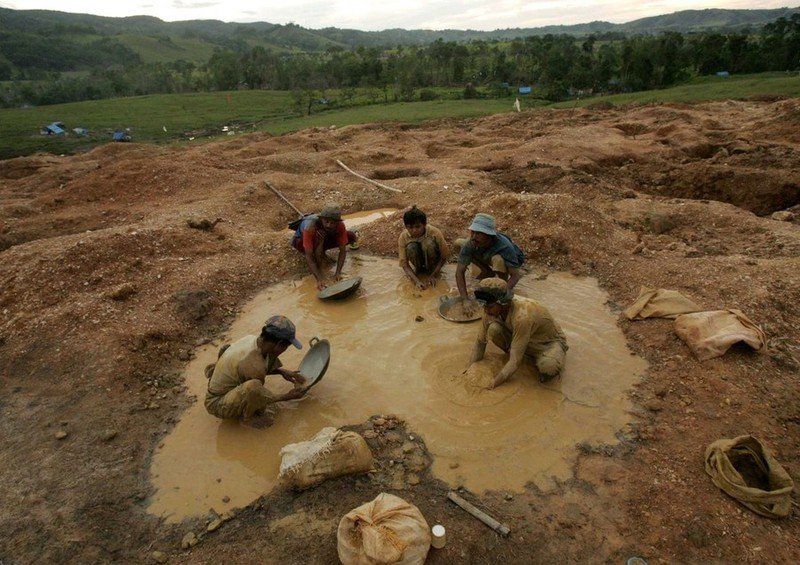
<point x="312" y="265"/>
<point x="340" y="262"/>
<point x="479" y="350"/>
<point x="461" y="280"/>
<point x="514" y="274"/>
<point x="444" y="253"/>
<point x="297" y="392"/>
<point x="519" y="343"/>
<point x="293" y="377"/>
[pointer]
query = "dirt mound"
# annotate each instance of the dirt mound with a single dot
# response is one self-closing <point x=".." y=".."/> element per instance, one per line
<point x="106" y="291"/>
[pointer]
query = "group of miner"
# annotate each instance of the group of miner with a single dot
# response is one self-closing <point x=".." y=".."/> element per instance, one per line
<point x="521" y="327"/>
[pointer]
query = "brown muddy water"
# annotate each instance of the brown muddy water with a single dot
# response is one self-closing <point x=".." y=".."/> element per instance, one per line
<point x="383" y="361"/>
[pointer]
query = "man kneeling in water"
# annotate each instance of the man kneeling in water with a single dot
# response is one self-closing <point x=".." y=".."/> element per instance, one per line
<point x="521" y="327"/>
<point x="236" y="385"/>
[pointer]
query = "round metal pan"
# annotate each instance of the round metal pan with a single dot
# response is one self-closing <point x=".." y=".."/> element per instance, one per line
<point x="447" y="309"/>
<point x="340" y="290"/>
<point x="315" y="362"/>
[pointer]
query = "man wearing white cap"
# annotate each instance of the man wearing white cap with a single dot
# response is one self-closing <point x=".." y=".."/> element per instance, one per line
<point x="236" y="384"/>
<point x="521" y="327"/>
<point x="492" y="253"/>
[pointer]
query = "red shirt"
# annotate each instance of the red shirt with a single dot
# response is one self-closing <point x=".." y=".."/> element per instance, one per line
<point x="311" y="228"/>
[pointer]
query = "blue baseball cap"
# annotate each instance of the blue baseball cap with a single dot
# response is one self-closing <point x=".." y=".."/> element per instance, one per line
<point x="282" y="327"/>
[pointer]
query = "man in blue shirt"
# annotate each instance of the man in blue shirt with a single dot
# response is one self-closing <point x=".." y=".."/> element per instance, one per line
<point x="492" y="253"/>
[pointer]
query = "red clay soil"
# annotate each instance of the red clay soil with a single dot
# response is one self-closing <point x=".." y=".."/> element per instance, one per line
<point x="105" y="290"/>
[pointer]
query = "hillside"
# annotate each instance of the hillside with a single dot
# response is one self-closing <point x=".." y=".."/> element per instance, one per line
<point x="706" y="20"/>
<point x="148" y="39"/>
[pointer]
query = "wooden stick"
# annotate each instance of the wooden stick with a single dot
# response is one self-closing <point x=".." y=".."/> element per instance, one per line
<point x="376" y="183"/>
<point x="282" y="197"/>
<point x="501" y="529"/>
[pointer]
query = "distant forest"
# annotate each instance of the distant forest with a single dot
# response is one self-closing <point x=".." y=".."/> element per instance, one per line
<point x="50" y="57"/>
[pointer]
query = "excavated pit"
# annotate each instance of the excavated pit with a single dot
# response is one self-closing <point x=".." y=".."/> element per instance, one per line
<point x="392" y="354"/>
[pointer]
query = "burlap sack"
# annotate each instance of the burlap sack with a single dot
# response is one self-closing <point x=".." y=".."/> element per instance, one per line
<point x="711" y="334"/>
<point x="738" y="465"/>
<point x="386" y="530"/>
<point x="659" y="303"/>
<point x="331" y="453"/>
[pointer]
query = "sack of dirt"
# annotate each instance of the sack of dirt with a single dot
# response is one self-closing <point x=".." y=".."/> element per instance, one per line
<point x="331" y="453"/>
<point x="659" y="303"/>
<point x="711" y="334"/>
<point x="747" y="471"/>
<point x="386" y="530"/>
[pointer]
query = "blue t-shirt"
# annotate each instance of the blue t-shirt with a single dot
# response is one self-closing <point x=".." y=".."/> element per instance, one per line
<point x="503" y="246"/>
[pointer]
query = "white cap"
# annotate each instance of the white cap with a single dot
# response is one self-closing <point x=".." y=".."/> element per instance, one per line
<point x="438" y="536"/>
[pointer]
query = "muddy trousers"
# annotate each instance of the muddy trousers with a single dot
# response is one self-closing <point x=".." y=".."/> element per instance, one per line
<point x="246" y="400"/>
<point x="496" y="267"/>
<point x="423" y="256"/>
<point x="548" y="358"/>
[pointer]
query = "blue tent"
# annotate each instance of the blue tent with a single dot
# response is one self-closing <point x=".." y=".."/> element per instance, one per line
<point x="524" y="89"/>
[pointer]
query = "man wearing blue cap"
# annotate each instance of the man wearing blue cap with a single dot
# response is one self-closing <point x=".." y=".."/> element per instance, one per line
<point x="492" y="253"/>
<point x="236" y="385"/>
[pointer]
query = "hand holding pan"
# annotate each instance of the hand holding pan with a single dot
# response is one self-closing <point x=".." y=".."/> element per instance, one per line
<point x="315" y="362"/>
<point x="340" y="290"/>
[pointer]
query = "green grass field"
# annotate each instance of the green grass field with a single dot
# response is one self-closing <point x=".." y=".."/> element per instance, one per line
<point x="203" y="115"/>
<point x="706" y="88"/>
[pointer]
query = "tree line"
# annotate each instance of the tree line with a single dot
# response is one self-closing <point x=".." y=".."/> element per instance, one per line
<point x="557" y="66"/>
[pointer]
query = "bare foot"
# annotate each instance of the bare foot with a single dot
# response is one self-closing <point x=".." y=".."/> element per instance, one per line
<point x="258" y="422"/>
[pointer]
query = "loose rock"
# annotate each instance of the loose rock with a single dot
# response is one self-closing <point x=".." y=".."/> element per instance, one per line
<point x="654" y="405"/>
<point x="214" y="525"/>
<point x="189" y="540"/>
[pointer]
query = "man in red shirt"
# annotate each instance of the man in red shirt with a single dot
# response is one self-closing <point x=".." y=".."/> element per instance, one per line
<point x="318" y="233"/>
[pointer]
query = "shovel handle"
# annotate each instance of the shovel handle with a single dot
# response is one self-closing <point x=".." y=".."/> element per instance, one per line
<point x="282" y="197"/>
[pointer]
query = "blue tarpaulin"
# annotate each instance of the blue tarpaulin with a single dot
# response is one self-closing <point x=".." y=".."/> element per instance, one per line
<point x="524" y="89"/>
<point x="55" y="129"/>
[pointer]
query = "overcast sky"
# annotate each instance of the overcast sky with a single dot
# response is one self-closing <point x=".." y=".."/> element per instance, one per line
<point x="384" y="14"/>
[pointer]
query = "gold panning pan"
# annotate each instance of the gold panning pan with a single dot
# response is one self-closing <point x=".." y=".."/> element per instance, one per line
<point x="454" y="309"/>
<point x="340" y="290"/>
<point x="315" y="362"/>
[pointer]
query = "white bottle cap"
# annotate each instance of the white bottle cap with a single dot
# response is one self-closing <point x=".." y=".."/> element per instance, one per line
<point x="438" y="538"/>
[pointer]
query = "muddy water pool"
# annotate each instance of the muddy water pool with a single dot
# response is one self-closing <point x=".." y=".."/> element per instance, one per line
<point x="384" y="361"/>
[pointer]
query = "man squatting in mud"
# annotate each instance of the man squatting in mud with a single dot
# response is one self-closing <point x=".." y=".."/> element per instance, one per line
<point x="236" y="384"/>
<point x="492" y="254"/>
<point x="422" y="248"/>
<point x="521" y="327"/>
<point x="319" y="232"/>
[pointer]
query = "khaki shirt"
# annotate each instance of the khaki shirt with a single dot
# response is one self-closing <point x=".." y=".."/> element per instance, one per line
<point x="431" y="233"/>
<point x="532" y="328"/>
<point x="241" y="362"/>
